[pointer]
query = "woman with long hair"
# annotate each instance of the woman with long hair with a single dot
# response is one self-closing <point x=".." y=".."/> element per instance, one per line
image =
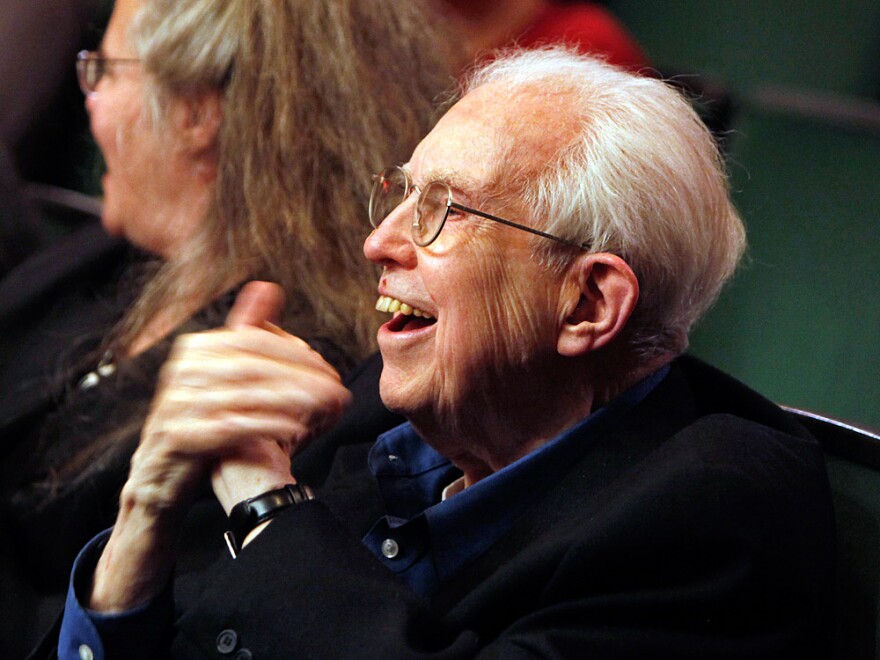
<point x="239" y="138"/>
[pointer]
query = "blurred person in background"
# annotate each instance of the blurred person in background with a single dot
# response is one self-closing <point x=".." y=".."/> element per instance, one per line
<point x="38" y="131"/>
<point x="486" y="25"/>
<point x="239" y="139"/>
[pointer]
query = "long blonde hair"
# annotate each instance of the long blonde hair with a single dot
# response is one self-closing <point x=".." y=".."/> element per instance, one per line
<point x="317" y="96"/>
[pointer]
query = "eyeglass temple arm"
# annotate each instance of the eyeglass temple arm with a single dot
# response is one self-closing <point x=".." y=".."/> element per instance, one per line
<point x="531" y="230"/>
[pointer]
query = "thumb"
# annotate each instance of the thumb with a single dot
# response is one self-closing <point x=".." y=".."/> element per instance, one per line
<point x="257" y="303"/>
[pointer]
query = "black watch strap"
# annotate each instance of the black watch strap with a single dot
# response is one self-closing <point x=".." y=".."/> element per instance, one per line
<point x="246" y="515"/>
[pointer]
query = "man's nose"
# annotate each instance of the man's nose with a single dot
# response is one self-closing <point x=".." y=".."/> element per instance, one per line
<point x="391" y="241"/>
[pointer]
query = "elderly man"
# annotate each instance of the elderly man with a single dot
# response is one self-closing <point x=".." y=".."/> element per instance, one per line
<point x="566" y="485"/>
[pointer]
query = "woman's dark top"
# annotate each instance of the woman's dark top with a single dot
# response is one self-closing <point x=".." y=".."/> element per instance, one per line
<point x="65" y="446"/>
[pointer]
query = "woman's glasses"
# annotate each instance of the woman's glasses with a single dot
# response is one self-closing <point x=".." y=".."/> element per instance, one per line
<point x="91" y="66"/>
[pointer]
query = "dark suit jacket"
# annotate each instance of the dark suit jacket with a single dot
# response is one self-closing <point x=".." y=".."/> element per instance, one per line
<point x="700" y="527"/>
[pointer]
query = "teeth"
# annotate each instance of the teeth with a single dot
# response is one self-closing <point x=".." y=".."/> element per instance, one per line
<point x="393" y="305"/>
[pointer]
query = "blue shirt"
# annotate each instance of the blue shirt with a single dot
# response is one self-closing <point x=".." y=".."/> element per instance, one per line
<point x="423" y="539"/>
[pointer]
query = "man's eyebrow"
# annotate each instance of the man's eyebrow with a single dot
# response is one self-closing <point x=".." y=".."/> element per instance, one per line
<point x="453" y="178"/>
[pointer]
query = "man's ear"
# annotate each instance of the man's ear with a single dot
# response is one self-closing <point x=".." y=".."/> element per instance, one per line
<point x="603" y="296"/>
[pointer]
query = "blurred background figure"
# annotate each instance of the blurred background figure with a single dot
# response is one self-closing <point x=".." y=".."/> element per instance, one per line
<point x="485" y="25"/>
<point x="42" y="122"/>
<point x="239" y="139"/>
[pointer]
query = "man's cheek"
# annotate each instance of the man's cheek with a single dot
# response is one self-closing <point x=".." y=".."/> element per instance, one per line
<point x="514" y="322"/>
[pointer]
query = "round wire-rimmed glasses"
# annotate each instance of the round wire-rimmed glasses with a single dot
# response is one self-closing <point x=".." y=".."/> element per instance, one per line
<point x="91" y="66"/>
<point x="393" y="185"/>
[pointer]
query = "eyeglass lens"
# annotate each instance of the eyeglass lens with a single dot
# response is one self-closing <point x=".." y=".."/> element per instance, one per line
<point x="389" y="191"/>
<point x="430" y="213"/>
<point x="90" y="70"/>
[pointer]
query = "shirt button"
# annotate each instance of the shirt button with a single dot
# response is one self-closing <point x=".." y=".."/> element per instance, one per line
<point x="390" y="548"/>
<point x="244" y="654"/>
<point x="85" y="652"/>
<point x="227" y="640"/>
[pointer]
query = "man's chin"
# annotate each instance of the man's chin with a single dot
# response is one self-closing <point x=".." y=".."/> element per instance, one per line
<point x="391" y="397"/>
<point x="401" y="391"/>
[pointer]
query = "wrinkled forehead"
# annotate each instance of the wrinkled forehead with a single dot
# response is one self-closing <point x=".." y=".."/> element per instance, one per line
<point x="494" y="135"/>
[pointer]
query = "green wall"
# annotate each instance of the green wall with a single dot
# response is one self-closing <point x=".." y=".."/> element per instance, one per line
<point x="833" y="45"/>
<point x="801" y="320"/>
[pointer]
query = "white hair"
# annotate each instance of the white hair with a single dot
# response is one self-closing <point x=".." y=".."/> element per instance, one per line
<point x="641" y="177"/>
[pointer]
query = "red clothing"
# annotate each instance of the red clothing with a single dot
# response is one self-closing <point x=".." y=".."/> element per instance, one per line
<point x="589" y="27"/>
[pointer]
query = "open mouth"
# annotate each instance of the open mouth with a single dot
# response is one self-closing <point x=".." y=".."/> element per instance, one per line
<point x="406" y="317"/>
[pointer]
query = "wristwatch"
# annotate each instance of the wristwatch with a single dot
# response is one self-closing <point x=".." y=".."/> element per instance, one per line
<point x="249" y="513"/>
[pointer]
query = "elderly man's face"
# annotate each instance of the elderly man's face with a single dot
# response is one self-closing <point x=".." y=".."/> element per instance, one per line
<point x="494" y="307"/>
